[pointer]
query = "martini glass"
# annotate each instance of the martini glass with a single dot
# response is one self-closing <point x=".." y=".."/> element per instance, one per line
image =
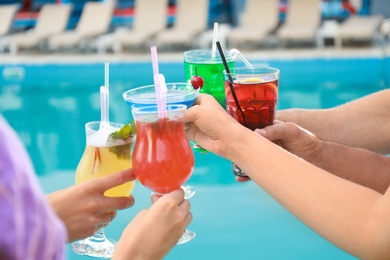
<point x="177" y="93"/>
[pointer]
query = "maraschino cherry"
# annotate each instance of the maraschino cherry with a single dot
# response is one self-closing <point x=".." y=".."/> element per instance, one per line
<point x="197" y="81"/>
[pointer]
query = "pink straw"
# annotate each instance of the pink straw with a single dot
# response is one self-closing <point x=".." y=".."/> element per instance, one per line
<point x="159" y="83"/>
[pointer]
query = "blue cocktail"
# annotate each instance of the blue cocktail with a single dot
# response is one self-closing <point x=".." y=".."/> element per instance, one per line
<point x="178" y="93"/>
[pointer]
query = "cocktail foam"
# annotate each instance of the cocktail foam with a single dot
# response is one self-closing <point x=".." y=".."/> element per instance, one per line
<point x="99" y="138"/>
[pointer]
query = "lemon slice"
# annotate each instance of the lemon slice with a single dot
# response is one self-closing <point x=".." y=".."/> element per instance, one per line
<point x="252" y="80"/>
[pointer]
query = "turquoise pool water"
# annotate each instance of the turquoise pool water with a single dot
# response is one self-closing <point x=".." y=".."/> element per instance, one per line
<point x="48" y="105"/>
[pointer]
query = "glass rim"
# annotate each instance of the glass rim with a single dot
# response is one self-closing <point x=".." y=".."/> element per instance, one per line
<point x="177" y="107"/>
<point x="99" y="122"/>
<point x="260" y="70"/>
<point x="127" y="95"/>
<point x="94" y="126"/>
<point x="189" y="56"/>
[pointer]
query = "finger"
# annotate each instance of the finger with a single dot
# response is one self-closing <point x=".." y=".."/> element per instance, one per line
<point x="176" y="195"/>
<point x="107" y="217"/>
<point x="188" y="219"/>
<point x="210" y="101"/>
<point x="106" y="182"/>
<point x="185" y="205"/>
<point x="190" y="115"/>
<point x="155" y="197"/>
<point x="117" y="203"/>
<point x="275" y="132"/>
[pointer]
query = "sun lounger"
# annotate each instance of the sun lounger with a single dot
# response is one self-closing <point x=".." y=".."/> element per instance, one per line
<point x="94" y="21"/>
<point x="150" y="18"/>
<point x="52" y="19"/>
<point x="259" y="19"/>
<point x="190" y="20"/>
<point x="302" y="21"/>
<point x="7" y="14"/>
<point x="358" y="28"/>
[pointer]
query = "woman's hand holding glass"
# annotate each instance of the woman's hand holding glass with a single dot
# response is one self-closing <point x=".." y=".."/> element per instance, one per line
<point x="84" y="209"/>
<point x="154" y="231"/>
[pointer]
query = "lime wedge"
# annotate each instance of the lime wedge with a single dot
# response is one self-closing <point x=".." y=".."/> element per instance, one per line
<point x="251" y="80"/>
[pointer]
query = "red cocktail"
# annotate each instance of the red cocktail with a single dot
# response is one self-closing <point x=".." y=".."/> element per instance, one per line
<point x="257" y="100"/>
<point x="256" y="91"/>
<point x="163" y="159"/>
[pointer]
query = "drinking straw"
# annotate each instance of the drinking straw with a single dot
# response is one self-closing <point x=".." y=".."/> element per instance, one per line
<point x="159" y="83"/>
<point x="104" y="98"/>
<point x="237" y="52"/>
<point x="215" y="38"/>
<point x="230" y="82"/>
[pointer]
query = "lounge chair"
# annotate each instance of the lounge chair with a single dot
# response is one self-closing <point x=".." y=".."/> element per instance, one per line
<point x="94" y="21"/>
<point x="190" y="20"/>
<point x="302" y="21"/>
<point x="7" y="14"/>
<point x="258" y="20"/>
<point x="150" y="17"/>
<point x="52" y="19"/>
<point x="358" y="28"/>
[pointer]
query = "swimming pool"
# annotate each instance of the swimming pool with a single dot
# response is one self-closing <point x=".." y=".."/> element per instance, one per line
<point x="49" y="103"/>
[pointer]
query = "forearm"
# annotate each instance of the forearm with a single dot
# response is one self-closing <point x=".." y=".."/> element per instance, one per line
<point x="361" y="123"/>
<point x="357" y="165"/>
<point x="326" y="203"/>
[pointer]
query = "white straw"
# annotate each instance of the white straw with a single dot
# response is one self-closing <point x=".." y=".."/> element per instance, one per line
<point x="103" y="105"/>
<point x="107" y="87"/>
<point x="215" y="39"/>
<point x="237" y="52"/>
<point x="104" y="98"/>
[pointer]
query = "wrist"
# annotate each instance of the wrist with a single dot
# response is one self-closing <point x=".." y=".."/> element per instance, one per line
<point x="325" y="156"/>
<point x="238" y="143"/>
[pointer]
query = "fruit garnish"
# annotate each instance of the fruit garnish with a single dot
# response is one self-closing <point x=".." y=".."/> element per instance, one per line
<point x="127" y="132"/>
<point x="252" y="80"/>
<point x="197" y="81"/>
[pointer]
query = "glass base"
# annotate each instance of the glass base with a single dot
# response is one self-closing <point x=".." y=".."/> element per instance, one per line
<point x="196" y="147"/>
<point x="189" y="191"/>
<point x="186" y="237"/>
<point x="238" y="172"/>
<point x="95" y="247"/>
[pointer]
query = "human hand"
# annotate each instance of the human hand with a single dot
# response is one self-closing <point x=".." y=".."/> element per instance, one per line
<point x="294" y="139"/>
<point x="154" y="231"/>
<point x="211" y="126"/>
<point x="83" y="207"/>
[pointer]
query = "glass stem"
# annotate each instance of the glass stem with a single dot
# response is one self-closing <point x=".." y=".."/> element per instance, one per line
<point x="99" y="235"/>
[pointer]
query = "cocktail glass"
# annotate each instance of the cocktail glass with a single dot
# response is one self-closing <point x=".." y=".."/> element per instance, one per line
<point x="202" y="63"/>
<point x="178" y="93"/>
<point x="256" y="91"/>
<point x="105" y="153"/>
<point x="163" y="159"/>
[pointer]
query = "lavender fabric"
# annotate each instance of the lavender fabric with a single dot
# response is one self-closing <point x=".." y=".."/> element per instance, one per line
<point x="29" y="228"/>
